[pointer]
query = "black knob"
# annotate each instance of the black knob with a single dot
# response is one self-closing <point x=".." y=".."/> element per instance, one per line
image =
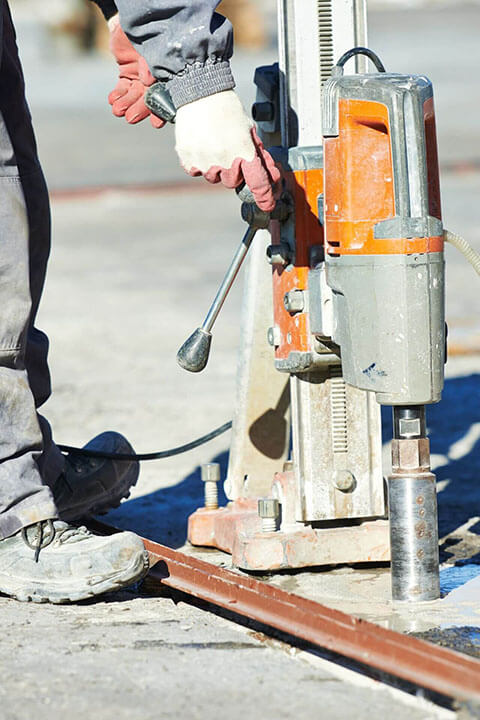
<point x="263" y="111"/>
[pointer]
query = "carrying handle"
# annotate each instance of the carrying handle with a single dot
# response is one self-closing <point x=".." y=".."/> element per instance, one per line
<point x="338" y="68"/>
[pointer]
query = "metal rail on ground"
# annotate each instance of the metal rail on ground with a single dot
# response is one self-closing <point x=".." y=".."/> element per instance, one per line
<point x="421" y="663"/>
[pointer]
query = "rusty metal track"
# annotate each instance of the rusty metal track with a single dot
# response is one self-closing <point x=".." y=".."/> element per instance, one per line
<point x="419" y="662"/>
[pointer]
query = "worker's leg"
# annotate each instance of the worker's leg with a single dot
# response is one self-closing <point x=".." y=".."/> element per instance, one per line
<point x="48" y="560"/>
<point x="79" y="486"/>
<point x="19" y="141"/>
<point x="24" y="497"/>
<point x="51" y="461"/>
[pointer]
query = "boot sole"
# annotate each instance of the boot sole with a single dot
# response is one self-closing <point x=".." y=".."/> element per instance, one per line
<point x="41" y="594"/>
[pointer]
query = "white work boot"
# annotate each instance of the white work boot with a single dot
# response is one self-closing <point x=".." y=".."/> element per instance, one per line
<point x="52" y="561"/>
<point x="92" y="486"/>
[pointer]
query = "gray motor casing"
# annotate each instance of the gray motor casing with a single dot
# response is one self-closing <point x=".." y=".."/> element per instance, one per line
<point x="389" y="322"/>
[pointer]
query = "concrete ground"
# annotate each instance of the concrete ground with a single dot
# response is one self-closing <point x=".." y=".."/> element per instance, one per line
<point x="148" y="658"/>
<point x="131" y="274"/>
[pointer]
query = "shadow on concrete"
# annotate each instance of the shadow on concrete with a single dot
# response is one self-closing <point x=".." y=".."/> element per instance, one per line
<point x="162" y="515"/>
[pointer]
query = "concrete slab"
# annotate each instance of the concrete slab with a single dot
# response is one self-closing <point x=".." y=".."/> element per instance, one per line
<point x="132" y="656"/>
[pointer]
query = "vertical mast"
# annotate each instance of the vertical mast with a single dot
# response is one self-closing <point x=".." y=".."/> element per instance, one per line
<point x="313" y="34"/>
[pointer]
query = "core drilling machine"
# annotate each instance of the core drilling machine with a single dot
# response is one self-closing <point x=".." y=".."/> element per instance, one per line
<point x="356" y="317"/>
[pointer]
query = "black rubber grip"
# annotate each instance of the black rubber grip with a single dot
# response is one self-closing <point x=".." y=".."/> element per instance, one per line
<point x="159" y="101"/>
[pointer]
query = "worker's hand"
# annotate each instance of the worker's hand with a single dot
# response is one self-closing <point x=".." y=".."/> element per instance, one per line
<point x="216" y="139"/>
<point x="134" y="78"/>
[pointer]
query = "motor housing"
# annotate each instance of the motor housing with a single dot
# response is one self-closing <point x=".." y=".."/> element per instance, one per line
<point x="384" y="234"/>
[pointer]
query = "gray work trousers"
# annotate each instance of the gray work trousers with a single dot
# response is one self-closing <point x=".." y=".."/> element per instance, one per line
<point x="29" y="461"/>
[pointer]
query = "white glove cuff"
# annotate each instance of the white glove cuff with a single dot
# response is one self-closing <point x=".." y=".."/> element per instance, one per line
<point x="213" y="131"/>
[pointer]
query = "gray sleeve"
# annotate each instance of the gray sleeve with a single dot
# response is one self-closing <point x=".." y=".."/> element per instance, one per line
<point x="185" y="43"/>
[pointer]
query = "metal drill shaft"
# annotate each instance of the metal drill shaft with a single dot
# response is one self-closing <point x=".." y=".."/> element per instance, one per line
<point x="412" y="501"/>
<point x="414" y="537"/>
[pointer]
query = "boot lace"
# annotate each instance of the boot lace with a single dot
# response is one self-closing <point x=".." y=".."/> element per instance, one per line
<point x="40" y="539"/>
<point x="42" y="534"/>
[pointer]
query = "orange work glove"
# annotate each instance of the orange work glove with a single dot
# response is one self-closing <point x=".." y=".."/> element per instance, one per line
<point x="134" y="78"/>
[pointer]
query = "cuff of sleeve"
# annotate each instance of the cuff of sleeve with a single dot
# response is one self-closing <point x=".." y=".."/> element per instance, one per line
<point x="200" y="80"/>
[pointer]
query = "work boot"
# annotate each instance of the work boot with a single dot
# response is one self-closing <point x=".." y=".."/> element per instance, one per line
<point x="52" y="561"/>
<point x="92" y="486"/>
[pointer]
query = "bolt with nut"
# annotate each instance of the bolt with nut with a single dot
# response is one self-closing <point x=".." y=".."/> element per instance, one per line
<point x="294" y="301"/>
<point x="274" y="336"/>
<point x="269" y="510"/>
<point x="279" y="254"/>
<point x="210" y="476"/>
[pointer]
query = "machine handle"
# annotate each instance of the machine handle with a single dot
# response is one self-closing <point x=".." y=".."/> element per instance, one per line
<point x="194" y="353"/>
<point x="338" y="68"/>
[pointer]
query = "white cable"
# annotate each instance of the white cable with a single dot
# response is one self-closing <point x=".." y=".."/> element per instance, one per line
<point x="461" y="244"/>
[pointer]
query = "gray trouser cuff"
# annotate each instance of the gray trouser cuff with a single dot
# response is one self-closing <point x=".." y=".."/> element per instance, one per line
<point x="19" y="518"/>
<point x="199" y="81"/>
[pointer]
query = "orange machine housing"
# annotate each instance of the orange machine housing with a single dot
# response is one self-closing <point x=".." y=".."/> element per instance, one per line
<point x="359" y="189"/>
<point x="305" y="186"/>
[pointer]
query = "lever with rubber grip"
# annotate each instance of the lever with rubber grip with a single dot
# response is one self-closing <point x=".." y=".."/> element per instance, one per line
<point x="194" y="353"/>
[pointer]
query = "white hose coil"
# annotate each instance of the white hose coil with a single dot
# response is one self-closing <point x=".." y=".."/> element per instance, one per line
<point x="461" y="244"/>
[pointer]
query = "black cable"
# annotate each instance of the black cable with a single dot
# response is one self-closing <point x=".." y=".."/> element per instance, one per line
<point x="362" y="51"/>
<point x="148" y="456"/>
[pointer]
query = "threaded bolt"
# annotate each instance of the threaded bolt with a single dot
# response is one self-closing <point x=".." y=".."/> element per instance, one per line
<point x="269" y="510"/>
<point x="210" y="476"/>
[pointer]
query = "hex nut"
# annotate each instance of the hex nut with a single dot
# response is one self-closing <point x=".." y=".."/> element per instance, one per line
<point x="409" y="427"/>
<point x="274" y="336"/>
<point x="279" y="254"/>
<point x="408" y="455"/>
<point x="294" y="301"/>
<point x="210" y="472"/>
<point x="268" y="507"/>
